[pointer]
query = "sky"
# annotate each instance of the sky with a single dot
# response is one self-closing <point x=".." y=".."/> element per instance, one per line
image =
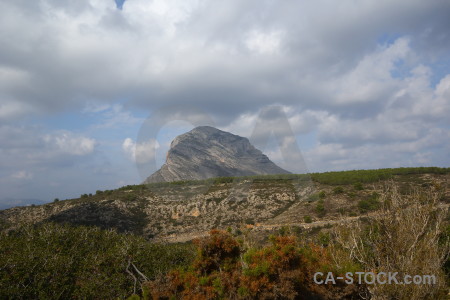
<point x="91" y="91"/>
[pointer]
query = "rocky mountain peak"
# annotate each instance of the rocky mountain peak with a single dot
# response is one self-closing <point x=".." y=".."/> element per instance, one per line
<point x="206" y="152"/>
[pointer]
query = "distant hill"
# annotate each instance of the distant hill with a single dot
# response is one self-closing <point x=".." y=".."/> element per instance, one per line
<point x="206" y="152"/>
<point x="11" y="202"/>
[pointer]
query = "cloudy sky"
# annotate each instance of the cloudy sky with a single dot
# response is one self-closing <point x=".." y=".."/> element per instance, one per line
<point x="360" y="84"/>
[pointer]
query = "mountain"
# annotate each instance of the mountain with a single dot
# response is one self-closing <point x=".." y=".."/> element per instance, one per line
<point x="11" y="202"/>
<point x="206" y="152"/>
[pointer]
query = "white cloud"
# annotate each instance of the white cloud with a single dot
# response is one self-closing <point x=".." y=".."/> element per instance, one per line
<point x="112" y="116"/>
<point x="22" y="175"/>
<point x="92" y="107"/>
<point x="9" y="110"/>
<point x="370" y="79"/>
<point x="337" y="156"/>
<point x="69" y="143"/>
<point x="142" y="152"/>
<point x="264" y="43"/>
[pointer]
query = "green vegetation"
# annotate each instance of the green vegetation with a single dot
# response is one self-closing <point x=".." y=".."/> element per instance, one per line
<point x="250" y="221"/>
<point x="358" y="186"/>
<point x="322" y="194"/>
<point x="338" y="190"/>
<point x="313" y="197"/>
<point x="370" y="203"/>
<point x="320" y="208"/>
<point x="330" y="178"/>
<point x="368" y="176"/>
<point x="53" y="261"/>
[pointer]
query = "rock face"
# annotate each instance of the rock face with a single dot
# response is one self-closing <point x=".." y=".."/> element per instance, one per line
<point x="206" y="152"/>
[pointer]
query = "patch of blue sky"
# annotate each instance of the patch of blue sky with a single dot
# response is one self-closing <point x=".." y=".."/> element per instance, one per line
<point x="307" y="141"/>
<point x="70" y="121"/>
<point x="119" y="4"/>
<point x="440" y="69"/>
<point x="401" y="70"/>
<point x="387" y="39"/>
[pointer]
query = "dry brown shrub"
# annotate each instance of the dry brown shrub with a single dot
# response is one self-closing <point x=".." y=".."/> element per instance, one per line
<point x="404" y="237"/>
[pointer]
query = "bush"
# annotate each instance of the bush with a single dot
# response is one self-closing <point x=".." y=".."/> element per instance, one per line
<point x="307" y="219"/>
<point x="56" y="200"/>
<point x="313" y="197"/>
<point x="284" y="230"/>
<point x="405" y="236"/>
<point x="250" y="221"/>
<point x="320" y="208"/>
<point x="358" y="186"/>
<point x="338" y="190"/>
<point x="282" y="270"/>
<point x="130" y="197"/>
<point x="324" y="238"/>
<point x="369" y="204"/>
<point x="53" y="261"/>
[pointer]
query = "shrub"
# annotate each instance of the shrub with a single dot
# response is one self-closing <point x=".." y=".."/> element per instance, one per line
<point x="130" y="197"/>
<point x="56" y="200"/>
<point x="338" y="190"/>
<point x="405" y="236"/>
<point x="312" y="198"/>
<point x="53" y="261"/>
<point x="322" y="195"/>
<point x="282" y="270"/>
<point x="323" y="238"/>
<point x="307" y="219"/>
<point x="320" y="208"/>
<point x="283" y="231"/>
<point x="250" y="221"/>
<point x="369" y="204"/>
<point x="358" y="186"/>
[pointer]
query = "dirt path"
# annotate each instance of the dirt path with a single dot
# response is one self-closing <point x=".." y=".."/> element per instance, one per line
<point x="268" y="227"/>
<point x="264" y="227"/>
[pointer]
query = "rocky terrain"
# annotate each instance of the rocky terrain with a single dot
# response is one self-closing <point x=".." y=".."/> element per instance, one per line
<point x="207" y="152"/>
<point x="180" y="211"/>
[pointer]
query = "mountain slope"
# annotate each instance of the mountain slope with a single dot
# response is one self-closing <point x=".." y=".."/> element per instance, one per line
<point x="178" y="211"/>
<point x="207" y="152"/>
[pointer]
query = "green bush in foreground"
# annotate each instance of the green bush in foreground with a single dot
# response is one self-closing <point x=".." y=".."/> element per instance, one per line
<point x="53" y="261"/>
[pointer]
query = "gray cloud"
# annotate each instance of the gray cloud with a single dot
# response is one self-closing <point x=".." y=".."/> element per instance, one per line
<point x="359" y="76"/>
<point x="199" y="53"/>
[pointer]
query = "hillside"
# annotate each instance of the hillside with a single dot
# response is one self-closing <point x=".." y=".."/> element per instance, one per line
<point x="180" y="211"/>
<point x="277" y="232"/>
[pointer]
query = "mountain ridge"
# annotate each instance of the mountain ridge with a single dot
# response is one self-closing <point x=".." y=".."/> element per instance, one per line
<point x="207" y="152"/>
